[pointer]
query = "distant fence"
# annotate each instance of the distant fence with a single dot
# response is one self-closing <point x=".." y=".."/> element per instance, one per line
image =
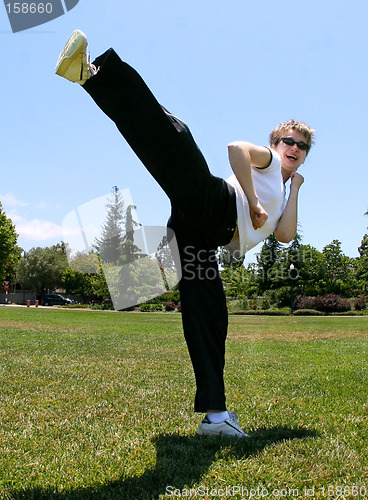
<point x="17" y="298"/>
<point x="22" y="297"/>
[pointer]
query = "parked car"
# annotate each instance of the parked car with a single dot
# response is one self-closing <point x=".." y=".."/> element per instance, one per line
<point x="55" y="299"/>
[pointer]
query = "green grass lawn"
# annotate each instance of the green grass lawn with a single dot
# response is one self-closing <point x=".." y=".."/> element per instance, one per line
<point x="98" y="405"/>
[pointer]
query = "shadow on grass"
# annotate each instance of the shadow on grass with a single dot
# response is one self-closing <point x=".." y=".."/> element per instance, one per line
<point x="180" y="463"/>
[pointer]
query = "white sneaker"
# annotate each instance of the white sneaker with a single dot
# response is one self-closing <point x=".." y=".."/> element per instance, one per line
<point x="73" y="63"/>
<point x="230" y="427"/>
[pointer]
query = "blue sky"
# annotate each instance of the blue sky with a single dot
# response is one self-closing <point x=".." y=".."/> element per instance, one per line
<point x="232" y="70"/>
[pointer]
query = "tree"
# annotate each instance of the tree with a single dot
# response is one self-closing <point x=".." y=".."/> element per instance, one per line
<point x="286" y="258"/>
<point x="338" y="269"/>
<point x="138" y="274"/>
<point x="236" y="278"/>
<point x="129" y="250"/>
<point x="99" y="284"/>
<point x="166" y="264"/>
<point x="41" y="269"/>
<point x="85" y="262"/>
<point x="361" y="265"/>
<point x="78" y="283"/>
<point x="110" y="243"/>
<point x="311" y="271"/>
<point x="319" y="273"/>
<point x="267" y="261"/>
<point x="138" y="281"/>
<point x="118" y="253"/>
<point x="10" y="252"/>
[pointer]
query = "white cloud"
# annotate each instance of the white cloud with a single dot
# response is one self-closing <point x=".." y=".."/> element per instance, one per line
<point x="36" y="229"/>
<point x="9" y="200"/>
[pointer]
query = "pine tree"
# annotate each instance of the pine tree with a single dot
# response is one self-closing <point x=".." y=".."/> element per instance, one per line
<point x="109" y="246"/>
<point x="267" y="261"/>
<point x="129" y="250"/>
<point x="361" y="263"/>
<point x="363" y="252"/>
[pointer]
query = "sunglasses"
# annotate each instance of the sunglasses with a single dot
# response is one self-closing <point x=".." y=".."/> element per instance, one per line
<point x="303" y="146"/>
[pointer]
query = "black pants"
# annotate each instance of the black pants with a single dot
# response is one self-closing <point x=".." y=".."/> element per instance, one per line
<point x="203" y="212"/>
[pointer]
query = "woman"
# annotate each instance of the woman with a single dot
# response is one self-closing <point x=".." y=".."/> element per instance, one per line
<point x="207" y="211"/>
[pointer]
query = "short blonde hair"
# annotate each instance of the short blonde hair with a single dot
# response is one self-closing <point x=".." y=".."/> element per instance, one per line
<point x="279" y="132"/>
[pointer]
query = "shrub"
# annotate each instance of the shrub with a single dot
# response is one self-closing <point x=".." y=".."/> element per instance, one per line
<point x="265" y="304"/>
<point x="74" y="306"/>
<point x="150" y="307"/>
<point x="283" y="296"/>
<point x="270" y="312"/>
<point x="331" y="303"/>
<point x="105" y="306"/>
<point x="235" y="305"/>
<point x="308" y="312"/>
<point x="253" y="304"/>
<point x="173" y="296"/>
<point x="244" y="303"/>
<point x="327" y="303"/>
<point x="302" y="302"/>
<point x="349" y="313"/>
<point x="360" y="304"/>
<point x="170" y="306"/>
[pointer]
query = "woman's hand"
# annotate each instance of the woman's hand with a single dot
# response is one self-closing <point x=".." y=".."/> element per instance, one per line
<point x="258" y="215"/>
<point x="296" y="180"/>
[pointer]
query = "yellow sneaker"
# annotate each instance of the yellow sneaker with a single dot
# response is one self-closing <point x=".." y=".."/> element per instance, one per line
<point x="74" y="63"/>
